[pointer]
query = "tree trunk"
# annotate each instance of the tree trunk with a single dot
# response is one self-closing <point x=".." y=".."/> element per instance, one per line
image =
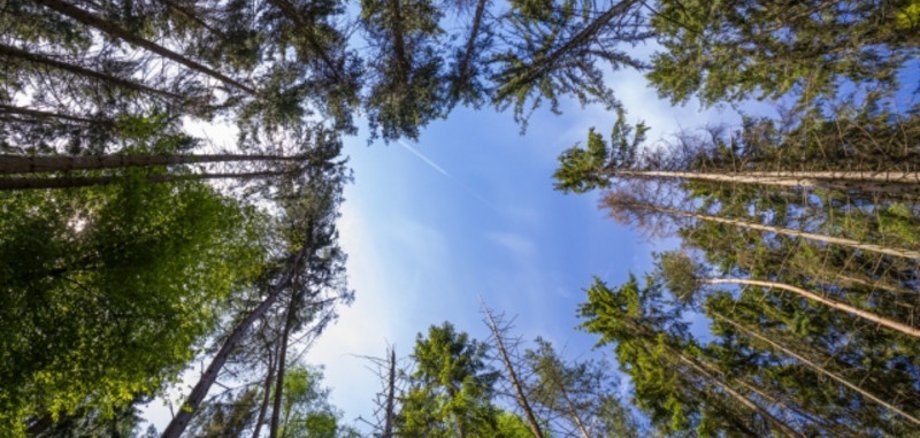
<point x="896" y="252"/>
<point x="399" y="44"/>
<point x="572" y="411"/>
<point x="773" y="421"/>
<point x="181" y="420"/>
<point x="58" y="163"/>
<point x="817" y="368"/>
<point x="537" y="67"/>
<point x="266" y="396"/>
<point x="117" y="32"/>
<point x="390" y="409"/>
<point x="512" y="375"/>
<point x="464" y="64"/>
<point x="903" y="328"/>
<point x="282" y="358"/>
<point x="88" y="181"/>
<point x="789" y="179"/>
<point x="291" y="13"/>
<point x="7" y="109"/>
<point x="35" y="58"/>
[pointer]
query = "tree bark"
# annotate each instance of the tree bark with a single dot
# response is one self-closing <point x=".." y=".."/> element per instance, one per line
<point x="266" y="397"/>
<point x="537" y="67"/>
<point x="291" y="13"/>
<point x="788" y="179"/>
<point x="58" y="163"/>
<point x="390" y="409"/>
<point x="117" y="32"/>
<point x="464" y="64"/>
<point x="512" y="375"/>
<point x="773" y="421"/>
<point x="817" y="368"/>
<point x="188" y="409"/>
<point x="903" y="328"/>
<point x="896" y="252"/>
<point x="64" y="182"/>
<point x="8" y="109"/>
<point x="35" y="58"/>
<point x="282" y="358"/>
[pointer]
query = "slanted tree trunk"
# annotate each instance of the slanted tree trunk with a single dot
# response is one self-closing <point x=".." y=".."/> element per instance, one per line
<point x="903" y="328"/>
<point x="117" y="32"/>
<point x="10" y="163"/>
<point x="290" y="318"/>
<point x="399" y="43"/>
<point x="87" y="181"/>
<point x="816" y="367"/>
<point x="463" y="66"/>
<point x="266" y="394"/>
<point x="540" y="65"/>
<point x="519" y="394"/>
<point x="292" y="14"/>
<point x="774" y="422"/>
<point x="847" y="180"/>
<point x="190" y="407"/>
<point x="39" y="59"/>
<point x="572" y="410"/>
<point x="851" y="243"/>
<point x="45" y="115"/>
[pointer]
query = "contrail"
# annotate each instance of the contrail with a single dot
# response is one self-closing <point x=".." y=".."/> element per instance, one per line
<point x="425" y="159"/>
<point x="441" y="170"/>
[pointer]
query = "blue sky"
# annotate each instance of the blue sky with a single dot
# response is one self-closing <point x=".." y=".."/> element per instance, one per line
<point x="469" y="212"/>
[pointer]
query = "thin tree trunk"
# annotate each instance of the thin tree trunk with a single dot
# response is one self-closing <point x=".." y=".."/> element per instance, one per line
<point x="896" y="252"/>
<point x="266" y="397"/>
<point x="35" y="58"/>
<point x="399" y="44"/>
<point x="589" y="31"/>
<point x="572" y="410"/>
<point x="464" y="64"/>
<point x="182" y="418"/>
<point x="8" y="109"/>
<point x="10" y="163"/>
<point x="773" y="421"/>
<point x="28" y="183"/>
<point x="117" y="32"/>
<point x="291" y="13"/>
<point x="791" y="179"/>
<point x="390" y="406"/>
<point x="512" y="375"/>
<point x="817" y="368"/>
<point x="282" y="357"/>
<point x="903" y="328"/>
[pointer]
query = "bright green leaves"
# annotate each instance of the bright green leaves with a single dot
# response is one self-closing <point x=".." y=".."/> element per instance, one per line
<point x="108" y="290"/>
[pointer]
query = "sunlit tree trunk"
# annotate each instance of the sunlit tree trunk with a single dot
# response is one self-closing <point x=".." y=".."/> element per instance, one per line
<point x="390" y="405"/>
<point x="882" y="182"/>
<point x="194" y="399"/>
<point x="266" y="393"/>
<point x="519" y="394"/>
<point x="903" y="328"/>
<point x="64" y="182"/>
<point x="817" y="368"/>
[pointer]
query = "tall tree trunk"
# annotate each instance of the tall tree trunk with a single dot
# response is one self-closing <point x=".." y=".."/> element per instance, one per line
<point x="182" y="418"/>
<point x="903" y="328"/>
<point x="464" y="65"/>
<point x="266" y="393"/>
<point x="282" y="358"/>
<point x="399" y="43"/>
<point x="292" y="14"/>
<point x="88" y="181"/>
<point x="537" y="67"/>
<point x="10" y="163"/>
<point x="35" y="58"/>
<point x="572" y="410"/>
<point x="45" y="115"/>
<point x="851" y="243"/>
<point x="520" y="397"/>
<point x="817" y="368"/>
<point x="117" y="32"/>
<point x="802" y="179"/>
<point x="774" y="422"/>
<point x="390" y="405"/>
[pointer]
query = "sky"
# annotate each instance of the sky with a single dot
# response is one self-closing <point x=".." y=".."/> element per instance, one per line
<point x="467" y="215"/>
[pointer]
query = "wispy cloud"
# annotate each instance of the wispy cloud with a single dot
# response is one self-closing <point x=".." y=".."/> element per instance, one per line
<point x="441" y="170"/>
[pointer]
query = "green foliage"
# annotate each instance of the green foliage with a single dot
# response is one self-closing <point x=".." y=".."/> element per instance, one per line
<point x="730" y="50"/>
<point x="108" y="290"/>
<point x="451" y="389"/>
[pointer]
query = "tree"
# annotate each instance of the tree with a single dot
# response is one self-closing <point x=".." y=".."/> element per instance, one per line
<point x="108" y="289"/>
<point x="730" y="51"/>
<point x="450" y="392"/>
